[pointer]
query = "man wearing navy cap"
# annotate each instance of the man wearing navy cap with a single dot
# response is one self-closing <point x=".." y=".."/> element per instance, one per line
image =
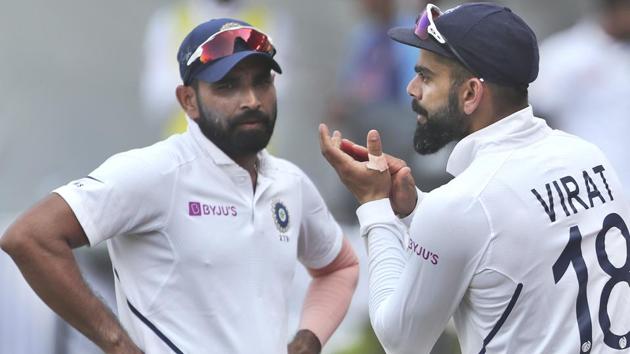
<point x="528" y="247"/>
<point x="204" y="228"/>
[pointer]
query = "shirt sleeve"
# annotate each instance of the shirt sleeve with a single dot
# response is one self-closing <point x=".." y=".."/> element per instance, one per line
<point x="415" y="288"/>
<point x="125" y="195"/>
<point x="320" y="235"/>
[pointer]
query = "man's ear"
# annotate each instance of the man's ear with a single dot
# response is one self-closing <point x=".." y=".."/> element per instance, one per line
<point x="472" y="93"/>
<point x="187" y="98"/>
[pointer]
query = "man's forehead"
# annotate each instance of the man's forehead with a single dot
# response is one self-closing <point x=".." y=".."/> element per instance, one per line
<point x="434" y="62"/>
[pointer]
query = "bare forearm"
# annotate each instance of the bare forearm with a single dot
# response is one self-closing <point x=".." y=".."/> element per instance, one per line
<point x="52" y="272"/>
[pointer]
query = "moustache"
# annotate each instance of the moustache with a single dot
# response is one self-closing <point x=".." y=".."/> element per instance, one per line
<point x="250" y="116"/>
<point x="416" y="107"/>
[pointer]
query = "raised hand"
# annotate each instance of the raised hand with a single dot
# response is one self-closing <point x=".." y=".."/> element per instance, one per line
<point x="364" y="183"/>
<point x="403" y="195"/>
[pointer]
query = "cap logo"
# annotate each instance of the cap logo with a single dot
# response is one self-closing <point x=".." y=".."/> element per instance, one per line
<point x="230" y="25"/>
<point x="187" y="56"/>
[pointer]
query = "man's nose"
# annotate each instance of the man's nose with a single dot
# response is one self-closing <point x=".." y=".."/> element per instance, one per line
<point x="250" y="99"/>
<point x="414" y="88"/>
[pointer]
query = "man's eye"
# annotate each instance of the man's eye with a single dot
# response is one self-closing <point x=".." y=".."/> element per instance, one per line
<point x="265" y="80"/>
<point x="227" y="85"/>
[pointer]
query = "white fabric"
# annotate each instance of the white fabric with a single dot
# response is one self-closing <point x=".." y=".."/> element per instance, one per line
<point x="473" y="240"/>
<point x="200" y="255"/>
<point x="583" y="88"/>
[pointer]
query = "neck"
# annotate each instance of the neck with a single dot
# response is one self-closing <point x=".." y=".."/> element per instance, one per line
<point x="503" y="112"/>
<point x="492" y="115"/>
<point x="248" y="162"/>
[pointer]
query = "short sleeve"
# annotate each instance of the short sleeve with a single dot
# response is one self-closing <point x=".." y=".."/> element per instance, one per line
<point x="125" y="195"/>
<point x="320" y="235"/>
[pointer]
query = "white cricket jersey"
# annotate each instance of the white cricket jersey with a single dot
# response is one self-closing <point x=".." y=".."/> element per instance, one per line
<point x="202" y="263"/>
<point x="527" y="248"/>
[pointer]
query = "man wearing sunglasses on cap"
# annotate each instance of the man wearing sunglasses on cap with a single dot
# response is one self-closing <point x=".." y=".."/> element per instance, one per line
<point x="528" y="247"/>
<point x="204" y="228"/>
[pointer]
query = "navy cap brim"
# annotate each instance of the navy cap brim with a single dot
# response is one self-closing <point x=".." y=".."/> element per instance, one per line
<point x="406" y="36"/>
<point x="219" y="68"/>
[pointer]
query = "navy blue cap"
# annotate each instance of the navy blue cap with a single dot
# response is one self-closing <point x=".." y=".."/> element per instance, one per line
<point x="215" y="70"/>
<point x="497" y="44"/>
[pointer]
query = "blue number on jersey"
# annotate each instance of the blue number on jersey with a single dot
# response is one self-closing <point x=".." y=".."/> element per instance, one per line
<point x="572" y="254"/>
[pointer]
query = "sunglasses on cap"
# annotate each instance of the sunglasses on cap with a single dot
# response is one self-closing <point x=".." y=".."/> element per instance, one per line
<point x="425" y="26"/>
<point x="221" y="44"/>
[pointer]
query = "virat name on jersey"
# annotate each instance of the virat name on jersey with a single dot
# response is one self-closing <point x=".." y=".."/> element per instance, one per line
<point x="567" y="190"/>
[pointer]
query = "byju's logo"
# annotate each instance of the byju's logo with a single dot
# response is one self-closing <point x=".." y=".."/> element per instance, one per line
<point x="194" y="208"/>
<point x="199" y="209"/>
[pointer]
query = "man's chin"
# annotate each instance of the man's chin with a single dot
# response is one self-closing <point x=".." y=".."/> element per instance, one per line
<point x="423" y="150"/>
<point x="256" y="130"/>
<point x="258" y="133"/>
<point x="251" y="140"/>
<point x="426" y="146"/>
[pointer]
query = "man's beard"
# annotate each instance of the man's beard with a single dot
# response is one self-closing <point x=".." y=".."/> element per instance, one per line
<point x="228" y="135"/>
<point x="441" y="127"/>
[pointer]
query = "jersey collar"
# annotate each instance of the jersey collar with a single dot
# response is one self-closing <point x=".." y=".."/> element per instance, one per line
<point x="515" y="130"/>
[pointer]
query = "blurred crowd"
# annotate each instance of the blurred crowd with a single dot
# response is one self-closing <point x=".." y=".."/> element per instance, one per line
<point x="583" y="88"/>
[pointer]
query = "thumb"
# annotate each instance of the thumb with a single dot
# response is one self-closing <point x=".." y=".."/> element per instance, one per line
<point x="406" y="175"/>
<point x="374" y="146"/>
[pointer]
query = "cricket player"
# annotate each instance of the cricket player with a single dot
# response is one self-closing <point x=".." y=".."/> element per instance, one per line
<point x="204" y="229"/>
<point x="528" y="247"/>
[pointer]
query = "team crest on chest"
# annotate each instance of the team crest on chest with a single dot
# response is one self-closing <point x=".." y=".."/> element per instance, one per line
<point x="280" y="215"/>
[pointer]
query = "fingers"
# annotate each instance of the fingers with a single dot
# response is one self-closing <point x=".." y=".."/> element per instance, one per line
<point x="336" y="138"/>
<point x="374" y="143"/>
<point x="360" y="153"/>
<point x="403" y="181"/>
<point x="395" y="164"/>
<point x="403" y="193"/>
<point x="328" y="146"/>
<point x="376" y="160"/>
<point x="324" y="138"/>
<point x="406" y="177"/>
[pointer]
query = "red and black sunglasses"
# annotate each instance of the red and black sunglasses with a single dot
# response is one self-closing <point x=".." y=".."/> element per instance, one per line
<point x="221" y="44"/>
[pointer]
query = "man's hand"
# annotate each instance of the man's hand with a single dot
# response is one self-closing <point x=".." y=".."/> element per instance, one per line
<point x="305" y="342"/>
<point x="403" y="195"/>
<point x="366" y="184"/>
